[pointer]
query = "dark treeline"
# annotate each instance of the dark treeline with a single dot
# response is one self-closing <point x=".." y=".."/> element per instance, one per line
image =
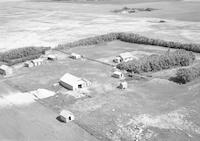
<point x="15" y="56"/>
<point x="154" y="63"/>
<point x="131" y="38"/>
<point x="185" y="75"/>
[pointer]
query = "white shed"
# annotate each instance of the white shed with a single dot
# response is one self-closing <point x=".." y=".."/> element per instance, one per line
<point x="72" y="82"/>
<point x="51" y="57"/>
<point x="38" y="61"/>
<point x="118" y="74"/>
<point x="66" y="116"/>
<point x="75" y="56"/>
<point x="28" y="64"/>
<point x="5" y="70"/>
<point x="123" y="85"/>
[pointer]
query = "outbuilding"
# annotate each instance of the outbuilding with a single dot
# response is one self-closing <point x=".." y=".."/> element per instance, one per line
<point x="118" y="74"/>
<point x="28" y="64"/>
<point x="66" y="116"/>
<point x="51" y="57"/>
<point x="123" y="57"/>
<point x="72" y="82"/>
<point x="75" y="56"/>
<point x="5" y="70"/>
<point x="38" y="61"/>
<point x="123" y="85"/>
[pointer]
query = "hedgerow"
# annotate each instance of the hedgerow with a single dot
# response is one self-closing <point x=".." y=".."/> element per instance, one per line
<point x="131" y="38"/>
<point x="154" y="63"/>
<point x="22" y="54"/>
<point x="185" y="75"/>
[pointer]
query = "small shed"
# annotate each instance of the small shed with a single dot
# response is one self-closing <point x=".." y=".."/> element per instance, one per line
<point x="28" y="64"/>
<point x="5" y="70"/>
<point x="51" y="57"/>
<point x="123" y="85"/>
<point x="38" y="61"/>
<point x="118" y="74"/>
<point x="75" y="56"/>
<point x="72" y="82"/>
<point x="66" y="116"/>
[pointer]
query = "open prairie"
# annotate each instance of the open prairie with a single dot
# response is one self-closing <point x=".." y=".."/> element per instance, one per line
<point x="52" y="23"/>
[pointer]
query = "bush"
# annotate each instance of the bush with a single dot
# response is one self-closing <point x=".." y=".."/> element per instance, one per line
<point x="22" y="54"/>
<point x="185" y="75"/>
<point x="158" y="62"/>
<point x="19" y="60"/>
<point x="131" y="38"/>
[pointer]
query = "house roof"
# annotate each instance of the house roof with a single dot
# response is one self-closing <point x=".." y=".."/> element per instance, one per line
<point x="70" y="79"/>
<point x="126" y="55"/>
<point x="4" y="67"/>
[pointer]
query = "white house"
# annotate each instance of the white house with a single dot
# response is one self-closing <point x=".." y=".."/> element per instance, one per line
<point x="5" y="70"/>
<point x="72" y="82"/>
<point x="118" y="74"/>
<point x="66" y="116"/>
<point x="75" y="56"/>
<point x="123" y="57"/>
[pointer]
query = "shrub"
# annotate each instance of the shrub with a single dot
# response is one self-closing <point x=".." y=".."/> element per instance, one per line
<point x="158" y="62"/>
<point x="185" y="75"/>
<point x="19" y="60"/>
<point x="22" y="54"/>
<point x="131" y="38"/>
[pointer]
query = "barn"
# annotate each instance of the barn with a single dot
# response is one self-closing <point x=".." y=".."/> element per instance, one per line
<point x="5" y="70"/>
<point x="72" y="82"/>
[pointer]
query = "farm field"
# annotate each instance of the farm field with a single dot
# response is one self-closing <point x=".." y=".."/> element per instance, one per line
<point x="152" y="108"/>
<point x="162" y="109"/>
<point x="52" y="23"/>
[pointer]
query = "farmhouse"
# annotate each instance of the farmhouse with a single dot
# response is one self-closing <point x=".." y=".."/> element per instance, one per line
<point x="118" y="74"/>
<point x="72" y="82"/>
<point x="75" y="56"/>
<point x="5" y="70"/>
<point x="123" y="57"/>
<point x="66" y="116"/>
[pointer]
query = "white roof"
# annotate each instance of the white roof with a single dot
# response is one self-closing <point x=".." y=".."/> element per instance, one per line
<point x="51" y="56"/>
<point x="66" y="113"/>
<point x="117" y="72"/>
<point x="4" y="67"/>
<point x="38" y="60"/>
<point x="126" y="55"/>
<point x="70" y="79"/>
<point x="75" y="54"/>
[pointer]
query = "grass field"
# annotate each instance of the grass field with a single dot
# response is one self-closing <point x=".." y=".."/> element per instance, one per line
<point x="162" y="109"/>
<point x="152" y="108"/>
